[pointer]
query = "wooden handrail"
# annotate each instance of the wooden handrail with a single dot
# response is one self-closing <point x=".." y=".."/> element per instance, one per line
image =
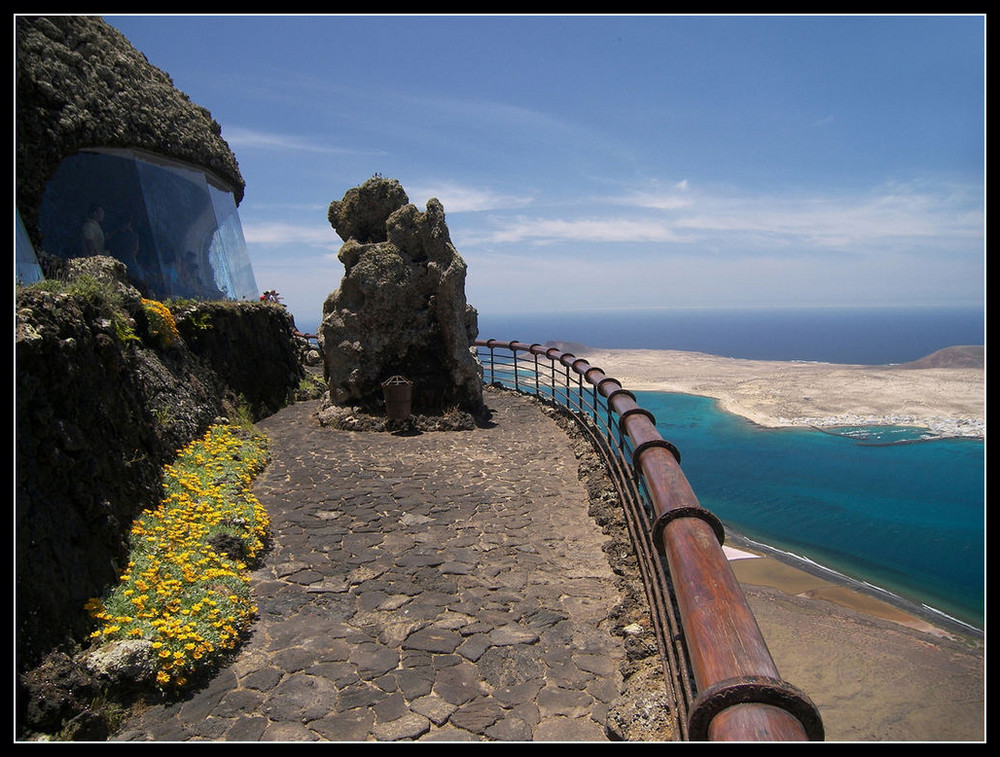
<point x="740" y="694"/>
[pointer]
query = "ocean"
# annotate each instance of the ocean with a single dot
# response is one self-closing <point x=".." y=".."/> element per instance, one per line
<point x="906" y="519"/>
<point x="865" y="336"/>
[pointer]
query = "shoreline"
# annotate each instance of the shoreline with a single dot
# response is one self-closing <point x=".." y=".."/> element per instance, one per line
<point x="879" y="667"/>
<point x="947" y="401"/>
<point x="877" y="670"/>
<point x="758" y="564"/>
<point x="943" y="394"/>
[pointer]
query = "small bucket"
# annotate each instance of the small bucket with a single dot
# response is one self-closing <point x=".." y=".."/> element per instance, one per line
<point x="398" y="392"/>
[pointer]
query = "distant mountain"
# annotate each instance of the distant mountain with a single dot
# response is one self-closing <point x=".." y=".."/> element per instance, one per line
<point x="963" y="356"/>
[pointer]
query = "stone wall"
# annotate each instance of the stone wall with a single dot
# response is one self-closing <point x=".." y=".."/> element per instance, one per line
<point x="97" y="416"/>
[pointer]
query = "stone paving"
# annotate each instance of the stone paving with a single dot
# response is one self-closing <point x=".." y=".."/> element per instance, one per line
<point x="444" y="585"/>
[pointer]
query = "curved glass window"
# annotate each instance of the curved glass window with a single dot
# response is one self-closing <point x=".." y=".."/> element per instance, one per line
<point x="27" y="270"/>
<point x="176" y="228"/>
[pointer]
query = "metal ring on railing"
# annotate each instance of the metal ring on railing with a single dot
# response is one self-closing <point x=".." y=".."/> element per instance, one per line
<point x="635" y="411"/>
<point x="654" y="443"/>
<point x="616" y="392"/>
<point x="753" y="690"/>
<point x="771" y="704"/>
<point x="605" y="380"/>
<point x="688" y="511"/>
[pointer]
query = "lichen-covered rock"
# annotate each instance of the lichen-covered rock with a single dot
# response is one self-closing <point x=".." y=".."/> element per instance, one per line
<point x="362" y="214"/>
<point x="249" y="347"/>
<point x="107" y="271"/>
<point x="54" y="692"/>
<point x="125" y="662"/>
<point x="401" y="307"/>
<point x="643" y="714"/>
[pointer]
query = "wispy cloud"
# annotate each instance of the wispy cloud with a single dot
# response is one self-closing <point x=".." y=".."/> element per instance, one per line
<point x="546" y="230"/>
<point x="735" y="221"/>
<point x="248" y="139"/>
<point x="457" y="198"/>
<point x="838" y="220"/>
<point x="316" y="234"/>
<point x="672" y="198"/>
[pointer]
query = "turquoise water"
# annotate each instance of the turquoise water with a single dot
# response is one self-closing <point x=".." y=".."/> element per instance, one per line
<point x="905" y="517"/>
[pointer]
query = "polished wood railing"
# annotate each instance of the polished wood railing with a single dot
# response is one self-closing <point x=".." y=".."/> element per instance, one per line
<point x="725" y="682"/>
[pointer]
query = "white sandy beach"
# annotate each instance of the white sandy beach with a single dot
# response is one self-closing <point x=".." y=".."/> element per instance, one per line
<point x="945" y="397"/>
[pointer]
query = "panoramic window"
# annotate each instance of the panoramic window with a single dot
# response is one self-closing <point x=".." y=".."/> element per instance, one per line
<point x="27" y="270"/>
<point x="176" y="228"/>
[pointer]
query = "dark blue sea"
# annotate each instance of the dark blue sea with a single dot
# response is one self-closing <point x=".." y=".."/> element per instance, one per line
<point x="906" y="518"/>
<point x="865" y="336"/>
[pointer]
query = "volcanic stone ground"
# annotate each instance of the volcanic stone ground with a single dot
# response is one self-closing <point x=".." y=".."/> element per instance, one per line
<point x="441" y="585"/>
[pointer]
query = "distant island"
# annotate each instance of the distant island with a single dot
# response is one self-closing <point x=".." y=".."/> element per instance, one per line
<point x="943" y="392"/>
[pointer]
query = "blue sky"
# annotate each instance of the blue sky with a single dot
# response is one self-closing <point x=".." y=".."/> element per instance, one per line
<point x="612" y="162"/>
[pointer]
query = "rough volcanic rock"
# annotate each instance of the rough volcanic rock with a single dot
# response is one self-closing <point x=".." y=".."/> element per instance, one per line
<point x="401" y="307"/>
<point x="97" y="415"/>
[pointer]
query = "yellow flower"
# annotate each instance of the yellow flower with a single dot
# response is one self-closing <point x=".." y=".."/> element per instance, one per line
<point x="170" y="575"/>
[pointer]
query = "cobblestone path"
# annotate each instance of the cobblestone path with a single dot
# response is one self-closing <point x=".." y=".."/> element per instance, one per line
<point x="445" y="585"/>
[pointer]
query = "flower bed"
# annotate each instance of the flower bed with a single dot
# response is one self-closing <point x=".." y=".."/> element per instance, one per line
<point x="186" y="588"/>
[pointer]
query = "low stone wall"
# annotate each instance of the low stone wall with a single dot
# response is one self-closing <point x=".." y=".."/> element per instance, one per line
<point x="98" y="413"/>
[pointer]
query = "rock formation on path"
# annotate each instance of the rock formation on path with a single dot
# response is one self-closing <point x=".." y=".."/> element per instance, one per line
<point x="401" y="307"/>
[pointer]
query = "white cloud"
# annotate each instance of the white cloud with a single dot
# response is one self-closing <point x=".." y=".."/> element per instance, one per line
<point x="834" y="221"/>
<point x="546" y="230"/>
<point x="457" y="198"/>
<point x="288" y="233"/>
<point x="742" y="222"/>
<point x="657" y="201"/>
<point x="246" y="139"/>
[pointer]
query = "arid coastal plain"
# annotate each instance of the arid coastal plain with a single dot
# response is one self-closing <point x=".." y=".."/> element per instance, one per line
<point x="943" y="392"/>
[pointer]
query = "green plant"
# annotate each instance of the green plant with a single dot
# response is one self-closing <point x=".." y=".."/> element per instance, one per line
<point x="200" y="321"/>
<point x="102" y="294"/>
<point x="123" y="329"/>
<point x="310" y="387"/>
<point x="242" y="414"/>
<point x="163" y="416"/>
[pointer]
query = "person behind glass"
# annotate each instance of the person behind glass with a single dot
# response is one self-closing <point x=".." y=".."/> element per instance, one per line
<point x="124" y="245"/>
<point x="91" y="233"/>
